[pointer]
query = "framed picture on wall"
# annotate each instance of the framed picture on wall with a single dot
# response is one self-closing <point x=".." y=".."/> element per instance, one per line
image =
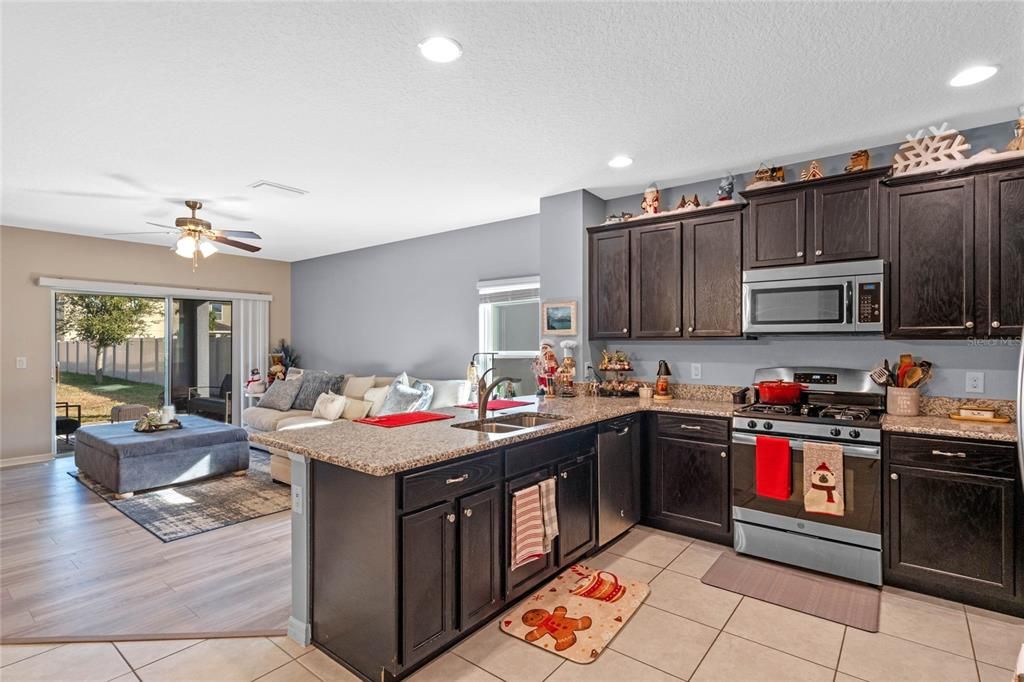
<point x="558" y="318"/>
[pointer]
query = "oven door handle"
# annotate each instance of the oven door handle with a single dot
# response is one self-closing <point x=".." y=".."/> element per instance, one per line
<point x="865" y="451"/>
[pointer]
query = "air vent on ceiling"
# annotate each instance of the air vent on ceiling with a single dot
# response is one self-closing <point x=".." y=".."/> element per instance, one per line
<point x="267" y="184"/>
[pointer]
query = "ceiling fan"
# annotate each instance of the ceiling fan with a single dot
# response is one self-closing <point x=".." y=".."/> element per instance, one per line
<point x="197" y="236"/>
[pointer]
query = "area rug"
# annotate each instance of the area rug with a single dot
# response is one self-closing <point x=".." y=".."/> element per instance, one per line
<point x="181" y="511"/>
<point x="578" y="613"/>
<point x="835" y="599"/>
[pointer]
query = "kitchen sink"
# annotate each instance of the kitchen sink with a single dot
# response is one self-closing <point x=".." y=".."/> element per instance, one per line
<point x="510" y="423"/>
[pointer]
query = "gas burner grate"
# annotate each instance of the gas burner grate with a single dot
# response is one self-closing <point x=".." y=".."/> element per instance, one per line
<point x="764" y="408"/>
<point x="846" y="413"/>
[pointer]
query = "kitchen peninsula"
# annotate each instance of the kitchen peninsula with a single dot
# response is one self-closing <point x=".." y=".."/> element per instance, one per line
<point x="399" y="535"/>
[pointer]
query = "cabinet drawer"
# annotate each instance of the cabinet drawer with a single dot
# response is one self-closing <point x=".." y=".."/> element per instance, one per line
<point x="705" y="429"/>
<point x="450" y="481"/>
<point x="541" y="453"/>
<point x="955" y="455"/>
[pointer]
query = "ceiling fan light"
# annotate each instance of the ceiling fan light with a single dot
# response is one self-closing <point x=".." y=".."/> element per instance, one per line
<point x="207" y="248"/>
<point x="186" y="246"/>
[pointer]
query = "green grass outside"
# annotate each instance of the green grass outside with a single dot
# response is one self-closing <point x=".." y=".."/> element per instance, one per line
<point x="97" y="399"/>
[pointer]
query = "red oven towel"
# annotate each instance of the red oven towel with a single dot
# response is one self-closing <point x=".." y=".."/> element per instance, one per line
<point x="497" y="404"/>
<point x="404" y="419"/>
<point x="773" y="468"/>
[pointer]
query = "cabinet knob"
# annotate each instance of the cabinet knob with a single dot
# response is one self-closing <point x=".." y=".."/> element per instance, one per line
<point x="799" y="254"/>
<point x="565" y="474"/>
<point x="817" y="252"/>
<point x="451" y="518"/>
<point x="969" y="325"/>
<point x="468" y="512"/>
<point x="625" y="331"/>
<point x="689" y="329"/>
<point x="894" y="477"/>
<point x="722" y="455"/>
<point x="995" y="324"/>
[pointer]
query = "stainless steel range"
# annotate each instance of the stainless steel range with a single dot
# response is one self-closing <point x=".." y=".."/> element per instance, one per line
<point x="840" y="406"/>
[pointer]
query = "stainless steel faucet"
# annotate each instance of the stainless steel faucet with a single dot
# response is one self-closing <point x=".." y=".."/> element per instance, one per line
<point x="484" y="391"/>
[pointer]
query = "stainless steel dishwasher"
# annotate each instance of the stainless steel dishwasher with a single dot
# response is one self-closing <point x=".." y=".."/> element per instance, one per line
<point x="618" y="478"/>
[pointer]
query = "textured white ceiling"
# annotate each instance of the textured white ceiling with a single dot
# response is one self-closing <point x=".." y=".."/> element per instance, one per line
<point x="112" y="109"/>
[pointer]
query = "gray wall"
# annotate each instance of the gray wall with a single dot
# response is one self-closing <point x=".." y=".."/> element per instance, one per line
<point x="409" y="305"/>
<point x="413" y="305"/>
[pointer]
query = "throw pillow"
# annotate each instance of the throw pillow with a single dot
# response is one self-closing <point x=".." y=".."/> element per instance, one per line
<point x="375" y="396"/>
<point x="315" y="382"/>
<point x="405" y="398"/>
<point x="329" y="406"/>
<point x="355" y="409"/>
<point x="293" y="373"/>
<point x="356" y="387"/>
<point x="281" y="395"/>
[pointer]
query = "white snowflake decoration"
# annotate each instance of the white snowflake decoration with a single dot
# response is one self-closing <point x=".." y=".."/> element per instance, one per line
<point x="943" y="148"/>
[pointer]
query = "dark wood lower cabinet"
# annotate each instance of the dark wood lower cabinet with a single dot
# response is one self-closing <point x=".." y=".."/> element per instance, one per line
<point x="480" y="523"/>
<point x="428" y="580"/>
<point x="577" y="530"/>
<point x="952" y="525"/>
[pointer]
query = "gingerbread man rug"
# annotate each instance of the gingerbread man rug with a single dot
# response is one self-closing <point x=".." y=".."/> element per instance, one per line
<point x="578" y="613"/>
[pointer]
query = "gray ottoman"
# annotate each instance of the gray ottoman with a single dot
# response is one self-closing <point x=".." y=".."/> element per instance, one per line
<point x="126" y="461"/>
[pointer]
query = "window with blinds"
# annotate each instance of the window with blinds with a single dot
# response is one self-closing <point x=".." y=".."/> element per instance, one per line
<point x="510" y="326"/>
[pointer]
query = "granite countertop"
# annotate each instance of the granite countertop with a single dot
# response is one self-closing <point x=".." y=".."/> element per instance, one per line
<point x="932" y="425"/>
<point x="381" y="451"/>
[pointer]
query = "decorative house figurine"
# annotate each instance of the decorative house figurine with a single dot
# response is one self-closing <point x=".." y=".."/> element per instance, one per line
<point x="767" y="175"/>
<point x="618" y="218"/>
<point x="725" y="188"/>
<point x="860" y="160"/>
<point x="1017" y="143"/>
<point x="661" y="391"/>
<point x="651" y="203"/>
<point x="812" y="172"/>
<point x="688" y="204"/>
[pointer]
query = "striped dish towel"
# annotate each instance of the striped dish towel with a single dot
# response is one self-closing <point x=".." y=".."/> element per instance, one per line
<point x="550" y="511"/>
<point x="527" y="527"/>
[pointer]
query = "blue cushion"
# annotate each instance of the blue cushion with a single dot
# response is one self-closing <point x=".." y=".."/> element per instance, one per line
<point x="280" y="395"/>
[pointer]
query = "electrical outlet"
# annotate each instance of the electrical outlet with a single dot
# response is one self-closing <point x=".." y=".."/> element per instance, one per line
<point x="975" y="382"/>
<point x="297" y="499"/>
<point x="21" y="363"/>
<point x="695" y="370"/>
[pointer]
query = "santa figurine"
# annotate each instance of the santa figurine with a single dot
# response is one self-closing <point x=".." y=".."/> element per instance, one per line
<point x="545" y="366"/>
<point x="823" y="497"/>
<point x="651" y="203"/>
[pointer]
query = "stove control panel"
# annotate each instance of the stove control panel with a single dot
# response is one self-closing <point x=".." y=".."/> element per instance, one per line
<point x="815" y="378"/>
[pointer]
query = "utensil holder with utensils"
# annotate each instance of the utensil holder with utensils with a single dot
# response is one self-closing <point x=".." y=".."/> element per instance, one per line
<point x="903" y="402"/>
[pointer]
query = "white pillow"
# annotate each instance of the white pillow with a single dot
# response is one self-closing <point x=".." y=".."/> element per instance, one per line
<point x="448" y="392"/>
<point x="356" y="387"/>
<point x="329" y="406"/>
<point x="355" y="409"/>
<point x="375" y="396"/>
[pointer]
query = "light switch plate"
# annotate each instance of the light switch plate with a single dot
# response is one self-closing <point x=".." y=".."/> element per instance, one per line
<point x="695" y="370"/>
<point x="975" y="382"/>
<point x="21" y="363"/>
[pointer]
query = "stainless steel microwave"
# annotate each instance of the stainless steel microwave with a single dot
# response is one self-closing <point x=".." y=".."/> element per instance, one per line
<point x="834" y="298"/>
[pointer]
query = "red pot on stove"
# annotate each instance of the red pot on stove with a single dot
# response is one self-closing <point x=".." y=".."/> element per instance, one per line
<point x="779" y="392"/>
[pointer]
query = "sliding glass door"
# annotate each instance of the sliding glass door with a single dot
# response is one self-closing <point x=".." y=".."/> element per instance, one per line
<point x="201" y="357"/>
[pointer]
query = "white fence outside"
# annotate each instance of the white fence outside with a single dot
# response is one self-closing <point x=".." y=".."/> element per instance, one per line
<point x="139" y="359"/>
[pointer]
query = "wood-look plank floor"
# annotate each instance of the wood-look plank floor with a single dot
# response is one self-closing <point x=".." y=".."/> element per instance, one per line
<point x="73" y="567"/>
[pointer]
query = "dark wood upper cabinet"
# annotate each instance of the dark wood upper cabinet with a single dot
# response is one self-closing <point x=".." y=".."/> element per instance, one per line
<point x="1002" y="267"/>
<point x="712" y="279"/>
<point x="931" y="227"/>
<point x="609" y="285"/>
<point x="428" y="580"/>
<point x="480" y="567"/>
<point x="775" y="230"/>
<point x="657" y="306"/>
<point x="845" y="220"/>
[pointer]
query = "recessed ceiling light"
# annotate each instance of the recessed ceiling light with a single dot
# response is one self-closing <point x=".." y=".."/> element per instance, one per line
<point x="973" y="74"/>
<point x="620" y="161"/>
<point x="440" y="49"/>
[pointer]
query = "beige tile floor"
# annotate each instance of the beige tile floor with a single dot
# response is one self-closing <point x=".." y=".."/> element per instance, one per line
<point x="685" y="631"/>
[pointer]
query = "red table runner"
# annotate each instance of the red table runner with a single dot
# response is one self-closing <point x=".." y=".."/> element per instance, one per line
<point x="404" y="419"/>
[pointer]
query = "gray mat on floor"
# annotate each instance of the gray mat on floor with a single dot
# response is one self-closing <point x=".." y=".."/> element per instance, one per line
<point x="835" y="599"/>
<point x="179" y="511"/>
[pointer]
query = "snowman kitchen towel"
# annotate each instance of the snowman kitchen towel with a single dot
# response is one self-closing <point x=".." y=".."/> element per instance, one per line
<point x="823" y="478"/>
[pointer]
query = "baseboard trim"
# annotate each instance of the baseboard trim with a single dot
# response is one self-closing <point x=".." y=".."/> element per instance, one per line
<point x="62" y="639"/>
<point x="299" y="631"/>
<point x="27" y="459"/>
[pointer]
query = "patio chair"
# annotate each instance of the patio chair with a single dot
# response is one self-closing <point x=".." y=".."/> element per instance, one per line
<point x="66" y="424"/>
<point x="217" y="403"/>
<point x="128" y="412"/>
